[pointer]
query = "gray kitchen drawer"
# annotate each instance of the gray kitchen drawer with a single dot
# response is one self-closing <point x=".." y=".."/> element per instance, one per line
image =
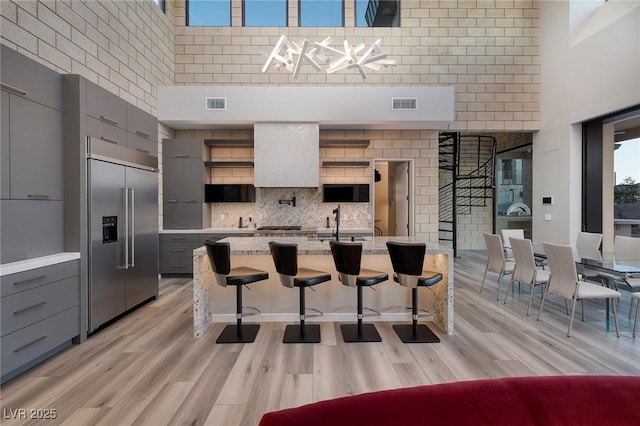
<point x="27" y="344"/>
<point x="178" y="249"/>
<point x="106" y="106"/>
<point x="142" y="123"/>
<point x="182" y="148"/>
<point x="141" y="144"/>
<point x="42" y="84"/>
<point x="30" y="228"/>
<point x="176" y="265"/>
<point x="28" y="307"/>
<point x="106" y="132"/>
<point x="179" y="237"/>
<point x="27" y="280"/>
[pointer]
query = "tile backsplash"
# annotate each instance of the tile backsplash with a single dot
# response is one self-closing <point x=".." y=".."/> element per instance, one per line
<point x="309" y="210"/>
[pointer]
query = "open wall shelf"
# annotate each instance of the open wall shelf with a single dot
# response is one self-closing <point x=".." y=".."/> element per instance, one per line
<point x="228" y="163"/>
<point x="346" y="164"/>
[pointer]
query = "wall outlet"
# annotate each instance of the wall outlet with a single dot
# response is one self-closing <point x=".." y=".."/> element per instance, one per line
<point x="547" y="217"/>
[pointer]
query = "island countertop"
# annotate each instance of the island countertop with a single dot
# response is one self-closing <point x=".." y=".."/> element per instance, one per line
<point x="317" y="246"/>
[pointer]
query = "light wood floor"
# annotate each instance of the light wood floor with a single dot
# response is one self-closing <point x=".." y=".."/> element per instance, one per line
<point x="147" y="369"/>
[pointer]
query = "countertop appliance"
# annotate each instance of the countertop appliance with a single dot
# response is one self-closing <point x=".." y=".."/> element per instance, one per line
<point x="123" y="229"/>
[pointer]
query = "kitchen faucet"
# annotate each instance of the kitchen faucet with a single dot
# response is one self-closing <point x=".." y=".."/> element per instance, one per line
<point x="336" y="211"/>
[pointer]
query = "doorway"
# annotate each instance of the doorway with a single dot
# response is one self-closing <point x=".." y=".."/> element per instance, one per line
<point x="393" y="200"/>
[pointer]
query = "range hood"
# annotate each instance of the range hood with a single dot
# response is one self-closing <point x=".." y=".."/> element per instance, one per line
<point x="286" y="155"/>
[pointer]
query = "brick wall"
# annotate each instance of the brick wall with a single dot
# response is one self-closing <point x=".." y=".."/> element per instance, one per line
<point x="124" y="46"/>
<point x="488" y="50"/>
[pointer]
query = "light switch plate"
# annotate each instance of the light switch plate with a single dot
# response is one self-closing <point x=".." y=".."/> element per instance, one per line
<point x="547" y="217"/>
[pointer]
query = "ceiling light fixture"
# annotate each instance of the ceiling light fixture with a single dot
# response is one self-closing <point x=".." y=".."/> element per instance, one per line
<point x="291" y="56"/>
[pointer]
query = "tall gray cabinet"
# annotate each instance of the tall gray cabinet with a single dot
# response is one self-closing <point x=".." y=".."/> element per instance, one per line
<point x="31" y="193"/>
<point x="183" y="178"/>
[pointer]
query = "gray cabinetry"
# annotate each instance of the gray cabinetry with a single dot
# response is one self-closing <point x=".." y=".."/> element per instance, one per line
<point x="183" y="178"/>
<point x="4" y="154"/>
<point x="40" y="315"/>
<point x="105" y="106"/>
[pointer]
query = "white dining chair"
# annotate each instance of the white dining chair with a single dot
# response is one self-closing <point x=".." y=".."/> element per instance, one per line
<point x="588" y="242"/>
<point x="496" y="261"/>
<point x="506" y="235"/>
<point x="628" y="249"/>
<point x="525" y="270"/>
<point x="564" y="282"/>
<point x="635" y="323"/>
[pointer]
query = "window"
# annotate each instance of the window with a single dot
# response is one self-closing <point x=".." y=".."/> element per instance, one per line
<point x="209" y="13"/>
<point x="264" y="13"/>
<point x="377" y="13"/>
<point x="321" y="13"/>
<point x="160" y="4"/>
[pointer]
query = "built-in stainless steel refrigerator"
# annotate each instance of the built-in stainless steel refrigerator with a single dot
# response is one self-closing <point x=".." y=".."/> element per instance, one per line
<point x="123" y="234"/>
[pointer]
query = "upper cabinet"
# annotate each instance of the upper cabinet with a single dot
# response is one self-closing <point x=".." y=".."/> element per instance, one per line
<point x="286" y="155"/>
<point x="31" y="129"/>
<point x="114" y="120"/>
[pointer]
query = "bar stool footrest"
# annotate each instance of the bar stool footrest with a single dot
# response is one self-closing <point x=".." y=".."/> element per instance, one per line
<point x="230" y="334"/>
<point x="369" y="333"/>
<point x="293" y="334"/>
<point x="423" y="335"/>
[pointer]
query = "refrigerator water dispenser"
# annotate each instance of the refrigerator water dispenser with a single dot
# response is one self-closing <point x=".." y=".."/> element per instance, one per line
<point x="109" y="229"/>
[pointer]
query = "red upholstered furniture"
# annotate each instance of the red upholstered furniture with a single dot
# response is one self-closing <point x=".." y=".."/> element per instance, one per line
<point x="521" y="401"/>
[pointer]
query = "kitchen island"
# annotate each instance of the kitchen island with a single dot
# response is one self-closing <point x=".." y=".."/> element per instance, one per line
<point x="272" y="302"/>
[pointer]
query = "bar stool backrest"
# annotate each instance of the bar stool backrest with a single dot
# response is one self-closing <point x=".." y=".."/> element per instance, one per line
<point x="347" y="258"/>
<point x="220" y="258"/>
<point x="407" y="260"/>
<point x="285" y="257"/>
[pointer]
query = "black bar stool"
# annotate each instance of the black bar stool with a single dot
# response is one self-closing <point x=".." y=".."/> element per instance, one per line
<point x="285" y="257"/>
<point x="407" y="260"/>
<point x="220" y="258"/>
<point x="347" y="258"/>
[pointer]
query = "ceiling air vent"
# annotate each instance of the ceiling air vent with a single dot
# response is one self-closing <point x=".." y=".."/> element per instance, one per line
<point x="217" y="103"/>
<point x="404" y="103"/>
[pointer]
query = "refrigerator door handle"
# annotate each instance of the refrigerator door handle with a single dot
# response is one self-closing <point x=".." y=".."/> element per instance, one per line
<point x="126" y="227"/>
<point x="133" y="225"/>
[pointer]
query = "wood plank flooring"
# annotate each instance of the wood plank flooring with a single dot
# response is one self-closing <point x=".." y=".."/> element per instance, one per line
<point x="147" y="369"/>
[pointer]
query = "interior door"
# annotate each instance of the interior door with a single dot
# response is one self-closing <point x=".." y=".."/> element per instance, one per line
<point x="142" y="275"/>
<point x="107" y="242"/>
<point x="402" y="198"/>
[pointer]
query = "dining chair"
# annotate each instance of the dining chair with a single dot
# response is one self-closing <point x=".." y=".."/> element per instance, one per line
<point x="628" y="249"/>
<point x="588" y="242"/>
<point x="635" y="323"/>
<point x="564" y="282"/>
<point x="506" y="235"/>
<point x="496" y="261"/>
<point x="525" y="270"/>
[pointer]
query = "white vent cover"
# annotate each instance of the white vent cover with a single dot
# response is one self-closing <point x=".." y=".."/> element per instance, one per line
<point x="404" y="103"/>
<point x="217" y="103"/>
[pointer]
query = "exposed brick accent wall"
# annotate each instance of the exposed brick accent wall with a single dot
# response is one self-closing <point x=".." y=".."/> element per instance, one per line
<point x="487" y="49"/>
<point x="124" y="46"/>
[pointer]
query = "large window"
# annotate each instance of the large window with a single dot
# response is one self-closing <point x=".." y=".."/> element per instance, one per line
<point x="321" y="13"/>
<point x="626" y="193"/>
<point x="209" y="13"/>
<point x="265" y="13"/>
<point x="377" y="13"/>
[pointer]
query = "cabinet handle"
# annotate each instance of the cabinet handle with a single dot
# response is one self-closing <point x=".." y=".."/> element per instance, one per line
<point x="106" y="139"/>
<point x="29" y="344"/>
<point x="143" y="134"/>
<point x="178" y="238"/>
<point x="181" y="227"/>
<point x="38" y="196"/>
<point x="108" y="120"/>
<point x="192" y="201"/>
<point x="178" y="266"/>
<point x="14" y="89"/>
<point x="37" y="305"/>
<point x="38" y="278"/>
<point x="146" y="151"/>
<point x="172" y="201"/>
<point x="182" y="156"/>
<point x="177" y="249"/>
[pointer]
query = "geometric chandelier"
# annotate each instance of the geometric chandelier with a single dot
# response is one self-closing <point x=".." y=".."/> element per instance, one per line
<point x="291" y="56"/>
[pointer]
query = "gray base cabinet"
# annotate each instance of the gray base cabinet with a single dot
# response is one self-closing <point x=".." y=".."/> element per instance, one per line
<point x="40" y="312"/>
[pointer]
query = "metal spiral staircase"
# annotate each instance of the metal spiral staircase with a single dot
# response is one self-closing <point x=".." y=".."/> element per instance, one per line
<point x="467" y="166"/>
